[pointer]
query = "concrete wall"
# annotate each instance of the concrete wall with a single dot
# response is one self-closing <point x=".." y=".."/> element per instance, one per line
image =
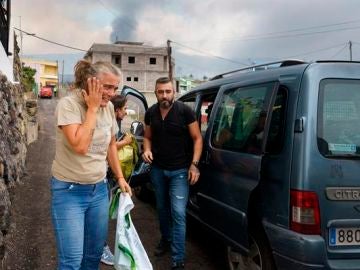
<point x="145" y="72"/>
<point x="140" y="75"/>
<point x="6" y="65"/>
<point x="101" y="57"/>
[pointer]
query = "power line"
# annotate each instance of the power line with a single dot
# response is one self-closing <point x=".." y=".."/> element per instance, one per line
<point x="209" y="54"/>
<point x="47" y="40"/>
<point x="312" y="33"/>
<point x="296" y="35"/>
<point x="336" y="54"/>
<point x="188" y="64"/>
<point x="306" y="28"/>
<point x="114" y="14"/>
<point x="273" y="35"/>
<point x="318" y="50"/>
<point x="287" y="57"/>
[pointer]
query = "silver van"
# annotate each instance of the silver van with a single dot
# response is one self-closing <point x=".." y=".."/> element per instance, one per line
<point x="280" y="170"/>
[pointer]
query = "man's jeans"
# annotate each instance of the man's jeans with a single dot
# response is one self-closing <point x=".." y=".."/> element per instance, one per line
<point x="80" y="217"/>
<point x="172" y="191"/>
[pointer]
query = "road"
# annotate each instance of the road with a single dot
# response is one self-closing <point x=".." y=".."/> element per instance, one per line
<point x="31" y="240"/>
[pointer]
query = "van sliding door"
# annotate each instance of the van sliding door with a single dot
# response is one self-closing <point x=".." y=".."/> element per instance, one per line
<point x="234" y="145"/>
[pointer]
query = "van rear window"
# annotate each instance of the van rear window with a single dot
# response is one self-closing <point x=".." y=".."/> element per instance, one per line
<point x="339" y="118"/>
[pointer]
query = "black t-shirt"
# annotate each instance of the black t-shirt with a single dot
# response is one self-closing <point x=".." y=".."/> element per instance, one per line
<point x="171" y="144"/>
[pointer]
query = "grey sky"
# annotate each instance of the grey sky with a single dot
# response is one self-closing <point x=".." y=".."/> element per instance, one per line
<point x="233" y="29"/>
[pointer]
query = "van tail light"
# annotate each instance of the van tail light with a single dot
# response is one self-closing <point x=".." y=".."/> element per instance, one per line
<point x="305" y="212"/>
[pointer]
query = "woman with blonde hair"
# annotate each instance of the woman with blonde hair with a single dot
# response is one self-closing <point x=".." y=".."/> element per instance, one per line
<point x="85" y="143"/>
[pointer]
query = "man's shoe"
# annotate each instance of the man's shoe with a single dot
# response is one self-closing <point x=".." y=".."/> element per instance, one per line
<point x="177" y="266"/>
<point x="162" y="248"/>
<point x="107" y="257"/>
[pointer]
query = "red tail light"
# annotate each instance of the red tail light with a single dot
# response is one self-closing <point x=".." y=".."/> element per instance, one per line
<point x="305" y="212"/>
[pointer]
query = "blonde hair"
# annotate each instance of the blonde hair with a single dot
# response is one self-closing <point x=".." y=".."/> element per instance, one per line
<point x="85" y="69"/>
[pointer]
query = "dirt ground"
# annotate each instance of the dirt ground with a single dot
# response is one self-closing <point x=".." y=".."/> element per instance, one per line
<point x="31" y="243"/>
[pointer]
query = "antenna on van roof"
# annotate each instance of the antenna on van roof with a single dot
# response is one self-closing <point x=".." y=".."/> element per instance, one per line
<point x="282" y="63"/>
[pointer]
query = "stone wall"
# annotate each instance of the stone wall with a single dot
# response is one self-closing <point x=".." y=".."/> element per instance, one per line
<point x="12" y="148"/>
<point x="17" y="121"/>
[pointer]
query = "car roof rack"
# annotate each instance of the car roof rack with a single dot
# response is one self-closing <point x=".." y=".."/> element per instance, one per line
<point x="282" y="63"/>
<point x="336" y="61"/>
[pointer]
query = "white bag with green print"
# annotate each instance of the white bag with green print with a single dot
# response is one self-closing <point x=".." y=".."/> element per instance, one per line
<point x="129" y="251"/>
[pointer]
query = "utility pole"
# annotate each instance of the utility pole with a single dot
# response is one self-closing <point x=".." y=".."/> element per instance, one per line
<point x="350" y="49"/>
<point x="57" y="86"/>
<point x="21" y="37"/>
<point x="169" y="60"/>
<point x="57" y="70"/>
<point x="62" y="74"/>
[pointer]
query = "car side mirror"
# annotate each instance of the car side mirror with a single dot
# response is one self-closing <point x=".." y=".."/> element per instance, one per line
<point x="137" y="128"/>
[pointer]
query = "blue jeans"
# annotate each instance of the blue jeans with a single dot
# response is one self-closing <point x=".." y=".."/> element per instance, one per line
<point x="80" y="218"/>
<point x="172" y="192"/>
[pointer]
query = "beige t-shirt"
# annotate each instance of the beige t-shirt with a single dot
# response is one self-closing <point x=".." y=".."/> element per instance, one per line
<point x="90" y="168"/>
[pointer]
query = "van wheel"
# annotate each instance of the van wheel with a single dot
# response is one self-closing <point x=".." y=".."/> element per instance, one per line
<point x="259" y="256"/>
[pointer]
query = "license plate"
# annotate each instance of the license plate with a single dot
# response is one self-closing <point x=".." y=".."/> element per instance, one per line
<point x="344" y="236"/>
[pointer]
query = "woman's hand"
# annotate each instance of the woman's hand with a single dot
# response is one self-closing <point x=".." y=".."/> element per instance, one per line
<point x="124" y="186"/>
<point x="127" y="139"/>
<point x="93" y="96"/>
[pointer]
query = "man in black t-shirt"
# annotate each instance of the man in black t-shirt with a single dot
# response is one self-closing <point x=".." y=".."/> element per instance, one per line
<point x="173" y="145"/>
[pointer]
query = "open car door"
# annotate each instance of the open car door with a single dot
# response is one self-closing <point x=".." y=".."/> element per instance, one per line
<point x="134" y="123"/>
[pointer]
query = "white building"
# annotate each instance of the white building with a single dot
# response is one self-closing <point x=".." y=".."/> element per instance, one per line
<point x="6" y="41"/>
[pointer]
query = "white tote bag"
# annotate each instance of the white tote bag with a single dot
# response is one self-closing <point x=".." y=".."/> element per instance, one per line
<point x="129" y="251"/>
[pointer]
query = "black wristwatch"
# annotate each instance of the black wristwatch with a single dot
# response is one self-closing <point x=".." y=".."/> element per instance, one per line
<point x="195" y="163"/>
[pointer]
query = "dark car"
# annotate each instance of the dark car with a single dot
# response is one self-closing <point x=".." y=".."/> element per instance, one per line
<point x="281" y="163"/>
